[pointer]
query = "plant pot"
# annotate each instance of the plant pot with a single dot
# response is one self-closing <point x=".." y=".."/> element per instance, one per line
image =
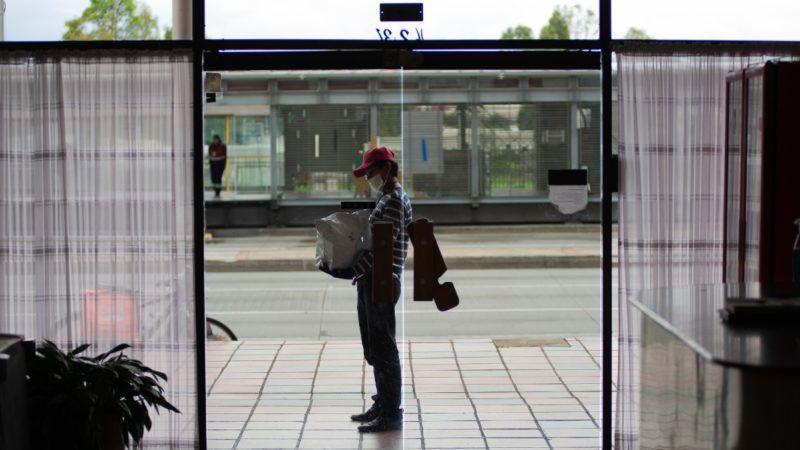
<point x="110" y="433"/>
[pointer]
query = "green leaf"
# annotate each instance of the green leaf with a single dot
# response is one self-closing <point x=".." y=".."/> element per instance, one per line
<point x="102" y="357"/>
<point x="69" y="393"/>
<point x="113" y="20"/>
<point x="79" y="349"/>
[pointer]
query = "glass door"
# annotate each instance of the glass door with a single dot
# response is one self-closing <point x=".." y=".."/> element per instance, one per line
<point x="516" y="363"/>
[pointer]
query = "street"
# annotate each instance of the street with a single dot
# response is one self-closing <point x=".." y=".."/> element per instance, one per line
<point x="501" y="303"/>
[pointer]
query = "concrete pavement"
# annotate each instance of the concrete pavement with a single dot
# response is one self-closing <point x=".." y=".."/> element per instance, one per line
<point x="463" y="247"/>
<point x="507" y="303"/>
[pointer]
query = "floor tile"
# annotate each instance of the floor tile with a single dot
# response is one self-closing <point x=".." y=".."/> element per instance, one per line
<point x="576" y="442"/>
<point x="455" y="443"/>
<point x="329" y="443"/>
<point x="267" y="443"/>
<point x="574" y="432"/>
<point x="517" y="443"/>
<point x="312" y="388"/>
<point x="220" y="444"/>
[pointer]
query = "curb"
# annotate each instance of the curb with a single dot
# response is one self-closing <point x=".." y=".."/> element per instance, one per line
<point x="488" y="262"/>
<point x="222" y="234"/>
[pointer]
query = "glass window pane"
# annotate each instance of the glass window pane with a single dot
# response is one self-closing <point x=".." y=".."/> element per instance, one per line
<point x="499" y="82"/>
<point x="520" y="143"/>
<point x="442" y="19"/>
<point x="215" y="125"/>
<point x="55" y="20"/>
<point x="251" y="131"/>
<point x="322" y="147"/>
<point x="448" y="83"/>
<point x="709" y="20"/>
<point x="435" y="147"/>
<point x="297" y="85"/>
<point x="488" y="134"/>
<point x="548" y="82"/>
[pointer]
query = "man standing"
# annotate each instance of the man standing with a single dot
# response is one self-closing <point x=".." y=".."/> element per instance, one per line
<point x="217" y="159"/>
<point x="377" y="321"/>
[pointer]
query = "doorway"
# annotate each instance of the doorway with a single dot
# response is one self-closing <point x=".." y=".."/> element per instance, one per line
<point x="518" y="362"/>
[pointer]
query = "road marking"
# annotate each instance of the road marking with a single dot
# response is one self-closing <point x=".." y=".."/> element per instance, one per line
<point x="459" y="284"/>
<point x="421" y="311"/>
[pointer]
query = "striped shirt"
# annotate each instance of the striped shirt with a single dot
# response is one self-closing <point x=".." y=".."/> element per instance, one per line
<point x="395" y="208"/>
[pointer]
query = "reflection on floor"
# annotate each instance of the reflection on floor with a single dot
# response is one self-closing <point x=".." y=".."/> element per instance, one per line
<point x="460" y="393"/>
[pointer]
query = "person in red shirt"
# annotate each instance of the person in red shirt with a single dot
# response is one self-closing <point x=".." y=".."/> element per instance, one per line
<point x="217" y="157"/>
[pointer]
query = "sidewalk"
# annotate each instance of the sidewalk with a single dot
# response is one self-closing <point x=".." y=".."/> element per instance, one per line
<point x="463" y="247"/>
<point x="459" y="394"/>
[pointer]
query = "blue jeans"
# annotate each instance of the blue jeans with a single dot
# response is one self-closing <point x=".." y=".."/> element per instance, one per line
<point x="377" y="325"/>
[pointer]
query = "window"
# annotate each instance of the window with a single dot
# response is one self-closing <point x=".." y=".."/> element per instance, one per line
<point x="215" y="125"/>
<point x="47" y="20"/>
<point x="709" y="19"/>
<point x="360" y="19"/>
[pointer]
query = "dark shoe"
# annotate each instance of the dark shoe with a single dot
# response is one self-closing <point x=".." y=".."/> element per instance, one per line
<point x="381" y="424"/>
<point x="368" y="415"/>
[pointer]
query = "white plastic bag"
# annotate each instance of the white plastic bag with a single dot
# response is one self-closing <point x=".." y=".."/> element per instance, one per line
<point x="340" y="237"/>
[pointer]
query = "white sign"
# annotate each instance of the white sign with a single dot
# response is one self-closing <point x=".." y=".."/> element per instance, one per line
<point x="569" y="199"/>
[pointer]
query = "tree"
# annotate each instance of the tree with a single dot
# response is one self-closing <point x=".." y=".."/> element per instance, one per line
<point x="583" y="24"/>
<point x="112" y="20"/>
<point x="557" y="27"/>
<point x="495" y="121"/>
<point x="168" y="33"/>
<point x="526" y="117"/>
<point x="518" y="32"/>
<point x="636" y="33"/>
<point x="570" y="22"/>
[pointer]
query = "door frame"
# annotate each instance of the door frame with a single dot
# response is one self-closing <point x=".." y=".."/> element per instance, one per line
<point x="441" y="55"/>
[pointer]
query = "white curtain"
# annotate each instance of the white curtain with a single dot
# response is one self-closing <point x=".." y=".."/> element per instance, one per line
<point x="96" y="212"/>
<point x="672" y="137"/>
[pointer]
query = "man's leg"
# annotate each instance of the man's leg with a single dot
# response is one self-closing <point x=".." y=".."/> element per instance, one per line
<point x="386" y="361"/>
<point x="364" y="290"/>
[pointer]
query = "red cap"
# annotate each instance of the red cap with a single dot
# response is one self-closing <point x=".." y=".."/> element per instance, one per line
<point x="371" y="157"/>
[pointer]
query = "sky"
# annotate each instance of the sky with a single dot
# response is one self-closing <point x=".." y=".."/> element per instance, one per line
<point x="40" y="20"/>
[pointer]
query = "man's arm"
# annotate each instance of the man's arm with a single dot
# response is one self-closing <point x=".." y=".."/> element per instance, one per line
<point x="393" y="213"/>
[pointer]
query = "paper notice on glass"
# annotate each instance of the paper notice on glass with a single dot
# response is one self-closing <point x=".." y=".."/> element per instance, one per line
<point x="569" y="199"/>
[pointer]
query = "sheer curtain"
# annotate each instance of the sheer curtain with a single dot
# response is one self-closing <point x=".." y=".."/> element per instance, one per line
<point x="96" y="212"/>
<point x="672" y="137"/>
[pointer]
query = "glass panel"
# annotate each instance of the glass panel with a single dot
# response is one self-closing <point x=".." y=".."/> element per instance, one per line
<point x="443" y="19"/>
<point x="325" y="120"/>
<point x="710" y="19"/>
<point x="322" y="147"/>
<point x="461" y="150"/>
<point x="753" y="178"/>
<point x="588" y="131"/>
<point x="436" y="150"/>
<point x="520" y="143"/>
<point x="55" y="20"/>
<point x="548" y="82"/>
<point x="297" y="85"/>
<point x="448" y="83"/>
<point x="732" y="212"/>
<point x="499" y="83"/>
<point x="215" y="125"/>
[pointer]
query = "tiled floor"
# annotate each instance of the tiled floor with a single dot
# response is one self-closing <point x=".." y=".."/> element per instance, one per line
<point x="459" y="394"/>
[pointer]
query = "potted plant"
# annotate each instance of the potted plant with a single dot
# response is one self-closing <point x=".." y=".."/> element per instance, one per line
<point x="91" y="403"/>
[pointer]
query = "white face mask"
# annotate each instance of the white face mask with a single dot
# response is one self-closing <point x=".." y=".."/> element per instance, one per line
<point x="376" y="184"/>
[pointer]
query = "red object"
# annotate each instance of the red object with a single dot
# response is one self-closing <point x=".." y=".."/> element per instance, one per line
<point x="217" y="151"/>
<point x="371" y="157"/>
<point x="110" y="315"/>
<point x="761" y="166"/>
